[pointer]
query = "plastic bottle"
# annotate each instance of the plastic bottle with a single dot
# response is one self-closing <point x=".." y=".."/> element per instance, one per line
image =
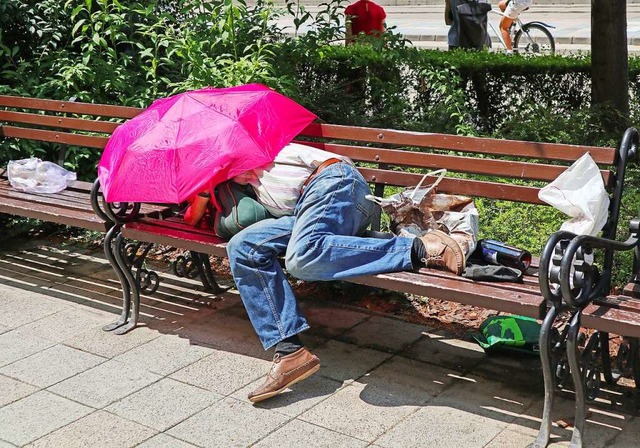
<point x="497" y="252"/>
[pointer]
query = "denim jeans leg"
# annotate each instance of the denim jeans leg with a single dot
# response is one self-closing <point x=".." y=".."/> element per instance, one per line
<point x="331" y="212"/>
<point x="263" y="286"/>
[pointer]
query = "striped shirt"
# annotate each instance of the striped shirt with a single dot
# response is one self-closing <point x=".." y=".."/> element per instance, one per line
<point x="278" y="185"/>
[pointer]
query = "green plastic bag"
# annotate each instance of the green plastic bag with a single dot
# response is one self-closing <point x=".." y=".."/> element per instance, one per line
<point x="509" y="334"/>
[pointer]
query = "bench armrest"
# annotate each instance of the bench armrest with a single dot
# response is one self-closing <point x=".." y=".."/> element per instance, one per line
<point x="120" y="212"/>
<point x="580" y="282"/>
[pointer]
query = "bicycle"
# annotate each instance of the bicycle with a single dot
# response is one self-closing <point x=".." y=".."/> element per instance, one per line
<point x="532" y="38"/>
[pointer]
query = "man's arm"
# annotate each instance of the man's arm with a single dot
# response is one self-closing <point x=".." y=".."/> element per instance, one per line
<point x="448" y="16"/>
<point x="348" y="36"/>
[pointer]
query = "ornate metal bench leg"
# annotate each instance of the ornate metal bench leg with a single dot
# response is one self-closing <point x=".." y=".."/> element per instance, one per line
<point x="194" y="265"/>
<point x="206" y="274"/>
<point x="135" y="292"/>
<point x="545" y="341"/>
<point x="577" y="373"/>
<point x="609" y="376"/>
<point x="635" y="360"/>
<point x="109" y="251"/>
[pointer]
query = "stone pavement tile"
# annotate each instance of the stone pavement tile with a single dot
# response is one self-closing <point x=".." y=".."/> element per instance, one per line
<point x="164" y="441"/>
<point x="223" y="372"/>
<point x="299" y="398"/>
<point x="227" y="423"/>
<point x="104" y="384"/>
<point x="36" y="415"/>
<point x="12" y="390"/>
<point x="4" y="444"/>
<point x="505" y="367"/>
<point x="370" y="406"/>
<point x="51" y="366"/>
<point x="4" y="329"/>
<point x="33" y="276"/>
<point x="26" y="265"/>
<point x="19" y="307"/>
<point x="25" y="283"/>
<point x="347" y="412"/>
<point x="446" y="351"/>
<point x="97" y="430"/>
<point x="328" y="321"/>
<point x="78" y="264"/>
<point x="164" y="355"/>
<point x="470" y="413"/>
<point x="90" y="289"/>
<point x="481" y="397"/>
<point x="627" y="438"/>
<point x="442" y="427"/>
<point x="311" y="436"/>
<point x="107" y="344"/>
<point x="224" y="332"/>
<point x="602" y="425"/>
<point x="16" y="344"/>
<point x="163" y="404"/>
<point x="382" y="333"/>
<point x="345" y="362"/>
<point x="508" y="438"/>
<point x="67" y="323"/>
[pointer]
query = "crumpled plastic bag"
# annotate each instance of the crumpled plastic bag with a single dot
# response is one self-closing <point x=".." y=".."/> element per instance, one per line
<point x="415" y="211"/>
<point x="35" y="176"/>
<point x="579" y="192"/>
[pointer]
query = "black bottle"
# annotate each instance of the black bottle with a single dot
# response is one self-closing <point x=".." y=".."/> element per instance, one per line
<point x="497" y="252"/>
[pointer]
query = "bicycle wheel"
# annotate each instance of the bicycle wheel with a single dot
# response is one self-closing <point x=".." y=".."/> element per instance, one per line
<point x="534" y="39"/>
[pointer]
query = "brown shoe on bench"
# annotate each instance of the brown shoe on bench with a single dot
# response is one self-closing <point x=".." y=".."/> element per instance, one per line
<point x="443" y="252"/>
<point x="286" y="371"/>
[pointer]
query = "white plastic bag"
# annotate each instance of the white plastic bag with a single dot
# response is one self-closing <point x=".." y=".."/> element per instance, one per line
<point x="579" y="193"/>
<point x="35" y="176"/>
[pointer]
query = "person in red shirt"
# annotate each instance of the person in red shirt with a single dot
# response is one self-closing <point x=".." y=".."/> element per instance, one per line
<point x="364" y="16"/>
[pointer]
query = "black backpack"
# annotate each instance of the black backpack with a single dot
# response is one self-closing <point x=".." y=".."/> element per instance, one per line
<point x="472" y="24"/>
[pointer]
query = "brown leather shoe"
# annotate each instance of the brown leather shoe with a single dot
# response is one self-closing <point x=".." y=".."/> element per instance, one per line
<point x="286" y="371"/>
<point x="443" y="252"/>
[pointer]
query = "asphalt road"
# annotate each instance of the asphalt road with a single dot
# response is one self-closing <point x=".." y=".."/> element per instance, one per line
<point x="424" y="24"/>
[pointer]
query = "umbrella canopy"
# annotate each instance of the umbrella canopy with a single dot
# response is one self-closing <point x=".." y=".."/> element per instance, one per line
<point x="185" y="143"/>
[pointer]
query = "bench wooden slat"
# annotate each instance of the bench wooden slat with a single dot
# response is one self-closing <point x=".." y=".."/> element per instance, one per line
<point x="51" y="213"/>
<point x="616" y="314"/>
<point x="106" y="127"/>
<point x="549" y="151"/>
<point x="494" y="190"/>
<point x="459" y="164"/>
<point x="529" y="285"/>
<point x="482" y="294"/>
<point x="53" y="136"/>
<point x="104" y="110"/>
<point x="149" y="230"/>
<point x="632" y="289"/>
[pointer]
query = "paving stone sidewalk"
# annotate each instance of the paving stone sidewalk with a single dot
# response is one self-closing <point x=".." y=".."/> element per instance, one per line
<point x="181" y="379"/>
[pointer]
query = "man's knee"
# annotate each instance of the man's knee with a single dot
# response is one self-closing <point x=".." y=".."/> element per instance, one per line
<point x="305" y="264"/>
<point x="242" y="251"/>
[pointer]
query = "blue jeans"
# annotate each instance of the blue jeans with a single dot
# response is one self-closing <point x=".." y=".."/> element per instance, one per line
<point x="319" y="242"/>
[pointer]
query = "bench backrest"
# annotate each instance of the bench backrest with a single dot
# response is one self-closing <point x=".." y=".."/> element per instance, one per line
<point x="499" y="169"/>
<point x="482" y="167"/>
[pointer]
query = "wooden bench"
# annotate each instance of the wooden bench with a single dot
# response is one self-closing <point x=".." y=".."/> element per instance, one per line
<point x="480" y="167"/>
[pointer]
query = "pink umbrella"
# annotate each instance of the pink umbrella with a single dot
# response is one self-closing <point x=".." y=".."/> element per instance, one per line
<point x="185" y="143"/>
